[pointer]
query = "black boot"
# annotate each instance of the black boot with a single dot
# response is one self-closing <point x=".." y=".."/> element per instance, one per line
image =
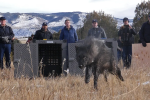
<point x="8" y="64"/>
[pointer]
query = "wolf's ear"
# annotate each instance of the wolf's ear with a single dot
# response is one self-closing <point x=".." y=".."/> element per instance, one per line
<point x="76" y="47"/>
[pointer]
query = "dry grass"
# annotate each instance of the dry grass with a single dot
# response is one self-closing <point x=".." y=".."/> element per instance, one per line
<point x="74" y="88"/>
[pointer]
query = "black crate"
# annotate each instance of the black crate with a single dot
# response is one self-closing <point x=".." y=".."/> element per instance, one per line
<point x="109" y="44"/>
<point x="51" y="56"/>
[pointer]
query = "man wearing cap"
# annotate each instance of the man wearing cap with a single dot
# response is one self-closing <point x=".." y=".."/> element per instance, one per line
<point x="6" y="36"/>
<point x="43" y="33"/>
<point x="145" y="32"/>
<point x="125" y="34"/>
<point x="97" y="32"/>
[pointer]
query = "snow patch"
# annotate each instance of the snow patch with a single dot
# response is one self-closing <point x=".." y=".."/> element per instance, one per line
<point x="145" y="83"/>
<point x="25" y="20"/>
<point x="75" y="25"/>
<point x="48" y="15"/>
<point x="81" y="19"/>
<point x="29" y="23"/>
<point x="56" y="17"/>
<point x="59" y="23"/>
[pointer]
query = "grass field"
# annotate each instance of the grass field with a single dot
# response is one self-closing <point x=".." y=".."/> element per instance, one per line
<point x="135" y="87"/>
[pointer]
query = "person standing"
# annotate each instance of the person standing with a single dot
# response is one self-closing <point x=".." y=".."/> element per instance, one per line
<point x="97" y="32"/>
<point x="43" y="33"/>
<point x="125" y="34"/>
<point x="145" y="32"/>
<point x="68" y="33"/>
<point x="6" y="36"/>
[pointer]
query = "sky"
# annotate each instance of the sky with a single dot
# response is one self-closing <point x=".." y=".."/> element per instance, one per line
<point x="117" y="8"/>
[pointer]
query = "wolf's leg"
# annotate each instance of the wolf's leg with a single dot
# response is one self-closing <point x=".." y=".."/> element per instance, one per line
<point x="96" y="74"/>
<point x="117" y="72"/>
<point x="87" y="74"/>
<point x="105" y="75"/>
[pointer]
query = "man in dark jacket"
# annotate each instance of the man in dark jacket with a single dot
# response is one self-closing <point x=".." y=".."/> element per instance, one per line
<point x="125" y="34"/>
<point x="43" y="33"/>
<point x="68" y="33"/>
<point x="6" y="36"/>
<point x="145" y="32"/>
<point x="97" y="32"/>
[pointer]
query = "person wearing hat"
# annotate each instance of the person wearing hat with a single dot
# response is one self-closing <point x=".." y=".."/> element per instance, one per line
<point x="43" y="33"/>
<point x="145" y="32"/>
<point x="125" y="34"/>
<point x="6" y="37"/>
<point x="97" y="32"/>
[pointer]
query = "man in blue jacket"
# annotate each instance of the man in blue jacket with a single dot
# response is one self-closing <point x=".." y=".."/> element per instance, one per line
<point x="145" y="32"/>
<point x="6" y="35"/>
<point x="68" y="33"/>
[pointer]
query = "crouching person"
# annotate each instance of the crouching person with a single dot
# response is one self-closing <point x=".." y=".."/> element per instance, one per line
<point x="6" y="36"/>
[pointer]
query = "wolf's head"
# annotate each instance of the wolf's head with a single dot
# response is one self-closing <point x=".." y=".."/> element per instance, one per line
<point x="87" y="52"/>
<point x="83" y="56"/>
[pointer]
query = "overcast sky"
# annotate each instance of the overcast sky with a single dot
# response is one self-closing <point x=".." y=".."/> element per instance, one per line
<point x="117" y="8"/>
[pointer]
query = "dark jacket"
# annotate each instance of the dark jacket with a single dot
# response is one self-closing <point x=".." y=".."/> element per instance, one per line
<point x="119" y="44"/>
<point x="126" y="35"/>
<point x="69" y="35"/>
<point x="41" y="34"/>
<point x="97" y="33"/>
<point x="6" y="32"/>
<point x="145" y="32"/>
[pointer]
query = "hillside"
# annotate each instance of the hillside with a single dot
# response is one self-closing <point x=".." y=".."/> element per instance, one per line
<point x="25" y="24"/>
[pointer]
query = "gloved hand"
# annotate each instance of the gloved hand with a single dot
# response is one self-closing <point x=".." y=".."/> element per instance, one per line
<point x="5" y="39"/>
<point x="144" y="43"/>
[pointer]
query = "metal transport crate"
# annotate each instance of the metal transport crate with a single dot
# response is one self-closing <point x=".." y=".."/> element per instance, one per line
<point x="42" y="57"/>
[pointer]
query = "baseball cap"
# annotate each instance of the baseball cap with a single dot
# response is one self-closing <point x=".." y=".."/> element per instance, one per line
<point x="44" y="24"/>
<point x="2" y="18"/>
<point x="125" y="19"/>
<point x="94" y="20"/>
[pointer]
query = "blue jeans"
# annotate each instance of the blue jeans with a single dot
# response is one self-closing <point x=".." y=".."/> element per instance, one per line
<point x="119" y="55"/>
<point x="127" y="54"/>
<point x="5" y="49"/>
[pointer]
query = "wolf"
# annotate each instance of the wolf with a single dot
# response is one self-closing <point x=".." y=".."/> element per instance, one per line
<point x="97" y="58"/>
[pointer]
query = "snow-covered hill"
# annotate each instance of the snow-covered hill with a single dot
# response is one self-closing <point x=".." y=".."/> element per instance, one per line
<point x="25" y="24"/>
